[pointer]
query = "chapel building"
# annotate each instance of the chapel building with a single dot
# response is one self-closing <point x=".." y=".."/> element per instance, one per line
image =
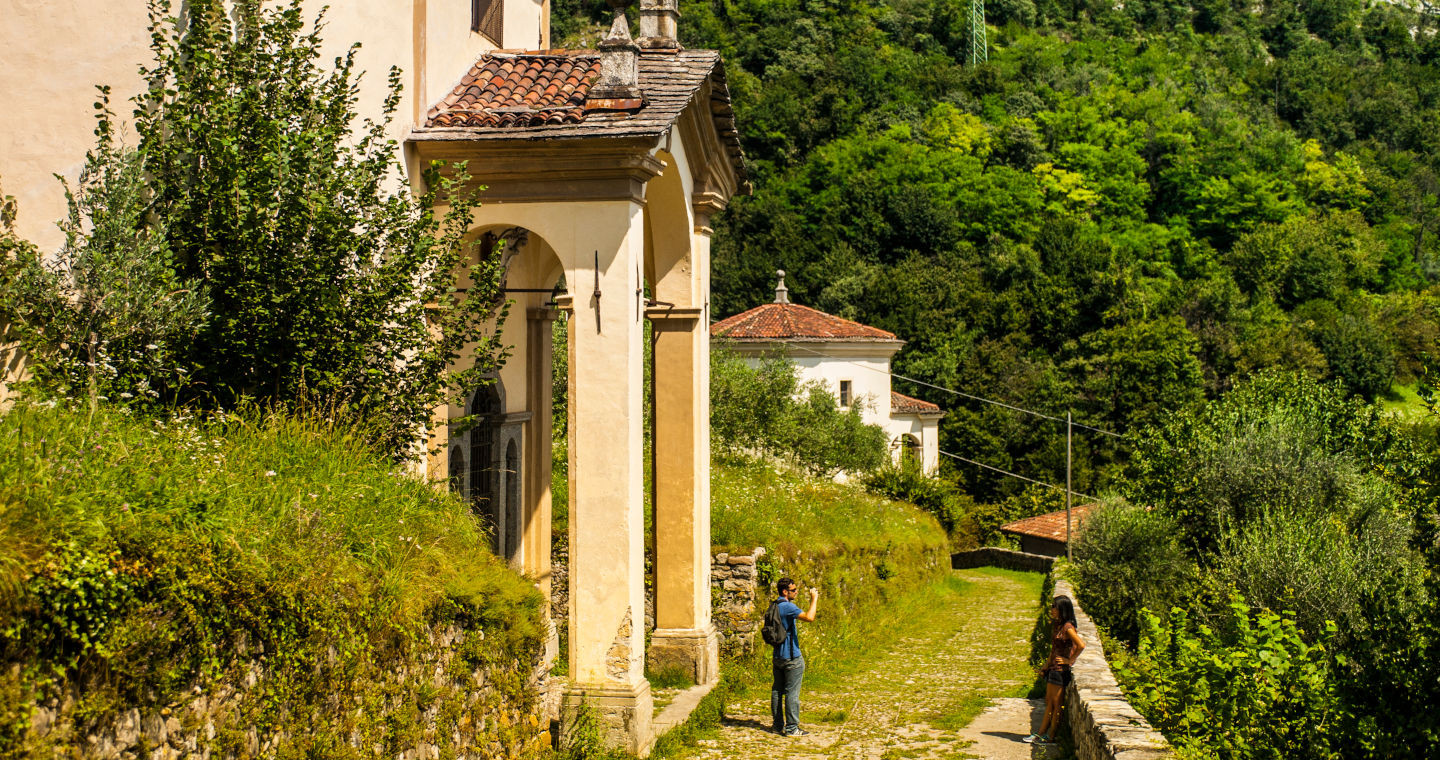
<point x="850" y="360"/>
<point x="601" y="171"/>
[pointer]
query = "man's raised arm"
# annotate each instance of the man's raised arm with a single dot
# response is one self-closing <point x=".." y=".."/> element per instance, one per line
<point x="809" y="615"/>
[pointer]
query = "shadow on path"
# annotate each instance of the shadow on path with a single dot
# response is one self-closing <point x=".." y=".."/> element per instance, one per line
<point x="1006" y="735"/>
<point x="753" y="724"/>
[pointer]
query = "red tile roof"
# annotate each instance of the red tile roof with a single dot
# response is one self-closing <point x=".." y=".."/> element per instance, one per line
<point x="1052" y="525"/>
<point x="509" y="89"/>
<point x="902" y="404"/>
<point x="540" y="95"/>
<point x="790" y="321"/>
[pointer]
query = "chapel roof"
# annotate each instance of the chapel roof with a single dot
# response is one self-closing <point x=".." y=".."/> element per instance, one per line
<point x="541" y="95"/>
<point x="1051" y="525"/>
<point x="902" y="404"/>
<point x="791" y="321"/>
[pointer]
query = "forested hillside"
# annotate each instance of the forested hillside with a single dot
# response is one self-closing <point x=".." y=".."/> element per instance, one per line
<point x="1128" y="208"/>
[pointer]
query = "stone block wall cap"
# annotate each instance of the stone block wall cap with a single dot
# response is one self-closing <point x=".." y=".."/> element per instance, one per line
<point x="1145" y="754"/>
<point x="741" y="560"/>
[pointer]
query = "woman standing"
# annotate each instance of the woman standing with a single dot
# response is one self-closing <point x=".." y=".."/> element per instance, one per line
<point x="1065" y="646"/>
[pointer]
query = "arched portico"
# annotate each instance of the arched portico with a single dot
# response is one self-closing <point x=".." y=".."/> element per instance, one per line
<point x="613" y="213"/>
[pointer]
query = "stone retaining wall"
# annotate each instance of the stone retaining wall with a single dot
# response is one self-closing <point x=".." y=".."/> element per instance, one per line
<point x="733" y="583"/>
<point x="733" y="580"/>
<point x="994" y="556"/>
<point x="1102" y="724"/>
<point x="479" y="713"/>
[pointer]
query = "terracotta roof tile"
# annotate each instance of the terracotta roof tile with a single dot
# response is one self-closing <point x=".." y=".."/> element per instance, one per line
<point x="540" y="95"/>
<point x="790" y="321"/>
<point x="510" y="90"/>
<point x="1052" y="525"/>
<point x="902" y="404"/>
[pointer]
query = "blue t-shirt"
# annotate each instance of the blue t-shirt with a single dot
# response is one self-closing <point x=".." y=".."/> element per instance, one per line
<point x="790" y="649"/>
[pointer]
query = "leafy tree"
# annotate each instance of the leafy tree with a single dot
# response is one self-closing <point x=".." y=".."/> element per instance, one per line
<point x="1144" y="370"/>
<point x="107" y="317"/>
<point x="327" y="277"/>
<point x="768" y="410"/>
<point x="1128" y="559"/>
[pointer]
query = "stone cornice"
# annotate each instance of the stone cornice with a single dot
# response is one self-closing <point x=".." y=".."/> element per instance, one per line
<point x="549" y="170"/>
<point x="880" y="350"/>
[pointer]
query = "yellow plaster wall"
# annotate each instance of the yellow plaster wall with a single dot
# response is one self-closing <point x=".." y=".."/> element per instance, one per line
<point x="53" y="53"/>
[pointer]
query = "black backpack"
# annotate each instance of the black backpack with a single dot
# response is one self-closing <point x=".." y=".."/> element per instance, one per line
<point x="773" y="631"/>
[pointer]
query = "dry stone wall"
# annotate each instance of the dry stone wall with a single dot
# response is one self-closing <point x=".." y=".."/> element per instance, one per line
<point x="734" y="580"/>
<point x="1102" y="724"/>
<point x="994" y="556"/>
<point x="463" y="712"/>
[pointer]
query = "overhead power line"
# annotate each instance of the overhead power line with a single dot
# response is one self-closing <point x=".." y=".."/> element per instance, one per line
<point x="962" y="394"/>
<point x="1012" y="474"/>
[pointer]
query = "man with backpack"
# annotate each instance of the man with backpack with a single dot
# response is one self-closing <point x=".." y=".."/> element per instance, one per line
<point x="787" y="665"/>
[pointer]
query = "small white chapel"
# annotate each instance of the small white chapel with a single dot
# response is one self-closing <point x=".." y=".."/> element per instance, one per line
<point x="849" y="359"/>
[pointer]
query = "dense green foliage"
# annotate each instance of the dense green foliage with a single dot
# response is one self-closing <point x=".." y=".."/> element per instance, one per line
<point x="257" y="191"/>
<point x="1254" y="674"/>
<point x="1131" y="206"/>
<point x="1127" y="560"/>
<point x="142" y="557"/>
<point x="1288" y="529"/>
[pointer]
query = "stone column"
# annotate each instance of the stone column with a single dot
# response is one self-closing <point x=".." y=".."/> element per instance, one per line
<point x="684" y="636"/>
<point x="607" y="526"/>
<point x="536" y="541"/>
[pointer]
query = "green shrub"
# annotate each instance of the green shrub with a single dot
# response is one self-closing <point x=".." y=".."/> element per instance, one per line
<point x="941" y="498"/>
<point x="107" y="316"/>
<point x="766" y="409"/>
<point x="1251" y="687"/>
<point x="1127" y="560"/>
<point x="1277" y="442"/>
<point x="1321" y="569"/>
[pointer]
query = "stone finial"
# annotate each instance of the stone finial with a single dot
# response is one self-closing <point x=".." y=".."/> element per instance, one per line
<point x="782" y="293"/>
<point x="618" y="86"/>
<point x="659" y="20"/>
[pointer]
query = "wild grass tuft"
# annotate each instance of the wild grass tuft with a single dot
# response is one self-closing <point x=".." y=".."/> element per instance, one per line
<point x="755" y="503"/>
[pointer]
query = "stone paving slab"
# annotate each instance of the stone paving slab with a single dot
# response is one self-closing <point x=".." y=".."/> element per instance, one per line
<point x="997" y="733"/>
<point x="975" y="644"/>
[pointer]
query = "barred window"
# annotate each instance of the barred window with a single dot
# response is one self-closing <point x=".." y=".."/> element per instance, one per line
<point x="488" y="18"/>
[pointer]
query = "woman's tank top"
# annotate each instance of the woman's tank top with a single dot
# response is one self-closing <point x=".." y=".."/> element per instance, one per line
<point x="1062" y="645"/>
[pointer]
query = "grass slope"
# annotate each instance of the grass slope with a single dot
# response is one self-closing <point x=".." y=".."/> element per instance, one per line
<point x="141" y="556"/>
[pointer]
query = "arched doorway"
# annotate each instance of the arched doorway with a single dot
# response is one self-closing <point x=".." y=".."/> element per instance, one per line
<point x="911" y="454"/>
<point x="486" y="408"/>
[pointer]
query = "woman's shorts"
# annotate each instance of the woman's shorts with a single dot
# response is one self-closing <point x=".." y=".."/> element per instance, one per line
<point x="1059" y="676"/>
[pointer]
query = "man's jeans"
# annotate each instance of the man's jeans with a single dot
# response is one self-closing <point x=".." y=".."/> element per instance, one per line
<point x="785" y="693"/>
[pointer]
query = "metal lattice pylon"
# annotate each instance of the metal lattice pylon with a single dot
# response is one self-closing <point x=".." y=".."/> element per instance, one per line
<point x="979" y="47"/>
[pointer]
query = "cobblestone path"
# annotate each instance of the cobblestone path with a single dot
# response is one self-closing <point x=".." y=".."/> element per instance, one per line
<point x="966" y="657"/>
